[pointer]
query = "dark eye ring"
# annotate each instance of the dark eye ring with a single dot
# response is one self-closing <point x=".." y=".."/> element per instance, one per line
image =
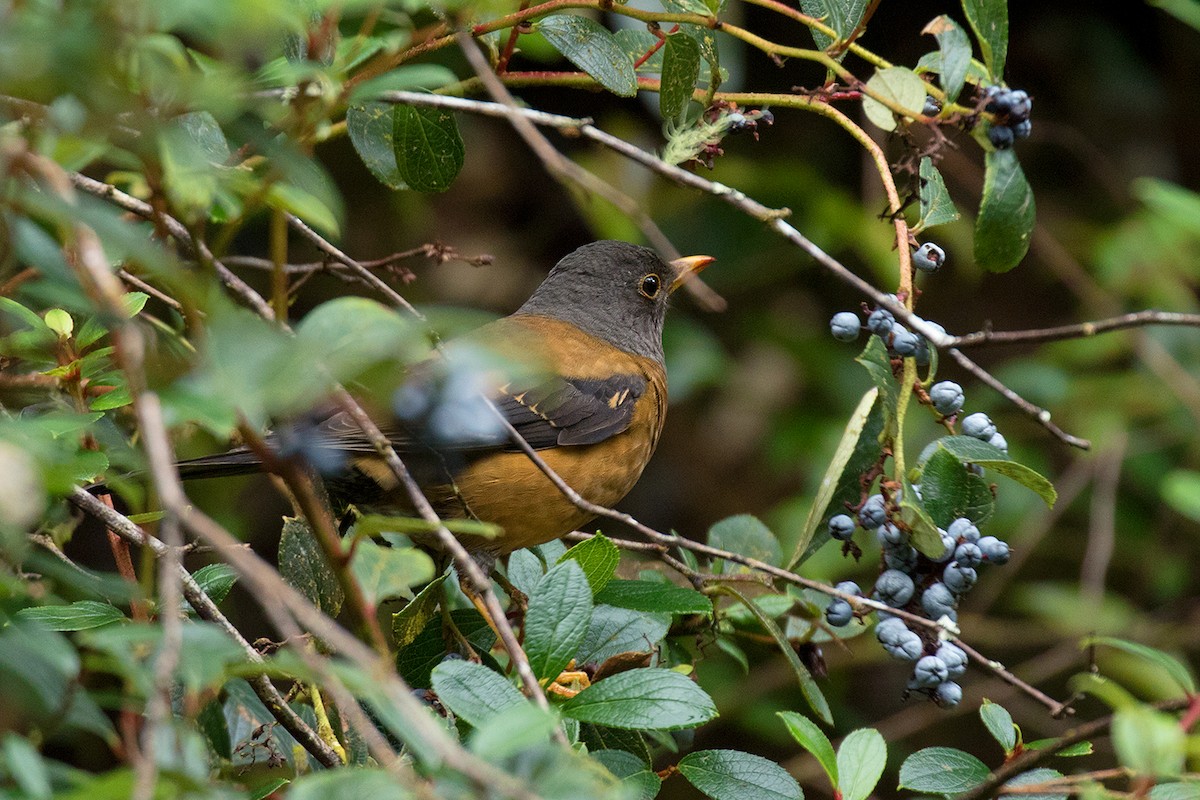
<point x="650" y="285"/>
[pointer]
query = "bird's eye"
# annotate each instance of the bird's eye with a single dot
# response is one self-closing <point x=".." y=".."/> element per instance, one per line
<point x="650" y="285"/>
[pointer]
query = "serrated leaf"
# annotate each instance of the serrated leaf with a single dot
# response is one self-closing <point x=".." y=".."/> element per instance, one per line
<point x="942" y="770"/>
<point x="949" y="490"/>
<point x="303" y="565"/>
<point x="936" y="206"/>
<point x="387" y="572"/>
<point x="590" y="46"/>
<point x="1077" y="749"/>
<point x="734" y="775"/>
<point x="428" y="147"/>
<point x="999" y="724"/>
<point x="473" y="692"/>
<point x="680" y="71"/>
<point x="613" y="631"/>
<point x="79" y="616"/>
<point x="746" y="535"/>
<point x="1164" y="661"/>
<point x="632" y="771"/>
<point x="416" y="662"/>
<point x="841" y="15"/>
<point x="833" y="484"/>
<point x="808" y="687"/>
<point x="1006" y="213"/>
<point x="372" y="132"/>
<point x="643" y="699"/>
<point x="989" y="20"/>
<point x="991" y="457"/>
<point x="408" y="622"/>
<point x="860" y="760"/>
<point x="953" y="56"/>
<point x="557" y="620"/>
<point x="598" y="557"/>
<point x="814" y="740"/>
<point x="525" y="570"/>
<point x="898" y="85"/>
<point x="655" y="596"/>
<point x="1149" y="742"/>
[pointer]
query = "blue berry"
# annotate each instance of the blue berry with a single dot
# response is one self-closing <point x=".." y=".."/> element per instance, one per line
<point x="1022" y="129"/>
<point x="998" y="441"/>
<point x="994" y="550"/>
<point x="947" y="397"/>
<point x="904" y="343"/>
<point x="929" y="257"/>
<point x="954" y="658"/>
<point x="873" y="512"/>
<point x="968" y="554"/>
<point x="849" y="587"/>
<point x="948" y="545"/>
<point x="963" y="528"/>
<point x="845" y="326"/>
<point x="999" y="100"/>
<point x="880" y="322"/>
<point x="937" y="600"/>
<point x="841" y="527"/>
<point x="929" y="672"/>
<point x="1001" y="136"/>
<point x="932" y="107"/>
<point x="766" y="116"/>
<point x="908" y="646"/>
<point x="894" y="588"/>
<point x="737" y="122"/>
<point x="979" y="426"/>
<point x="948" y="694"/>
<point x="889" y="533"/>
<point x="1020" y="106"/>
<point x="959" y="579"/>
<point x="838" y="613"/>
<point x="902" y="557"/>
<point x="889" y="630"/>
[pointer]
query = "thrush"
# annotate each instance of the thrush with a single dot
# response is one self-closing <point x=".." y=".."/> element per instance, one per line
<point x="577" y="371"/>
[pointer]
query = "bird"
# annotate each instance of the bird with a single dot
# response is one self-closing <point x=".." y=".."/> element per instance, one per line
<point x="577" y="370"/>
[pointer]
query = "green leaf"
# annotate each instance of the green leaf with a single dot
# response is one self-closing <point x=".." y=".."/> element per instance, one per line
<point x="387" y="572"/>
<point x="1149" y="742"/>
<point x="746" y="535"/>
<point x="1167" y="663"/>
<point x="589" y="46"/>
<point x="303" y="565"/>
<point x="860" y="760"/>
<point x="808" y="686"/>
<point x="60" y="322"/>
<point x="372" y="132"/>
<point x="557" y="620"/>
<point x="350" y="334"/>
<point x="898" y="85"/>
<point x="79" y="616"/>
<point x="989" y="20"/>
<point x="632" y="771"/>
<point x="991" y="457"/>
<point x="613" y="631"/>
<point x="25" y="767"/>
<point x="598" y="557"/>
<point x="922" y="528"/>
<point x="874" y="359"/>
<point x="949" y="490"/>
<point x="655" y="596"/>
<point x="953" y="57"/>
<point x="734" y="775"/>
<point x="372" y="782"/>
<point x="474" y="692"/>
<point x="837" y="476"/>
<point x="1181" y="490"/>
<point x="416" y="661"/>
<point x="408" y="622"/>
<point x="1036" y="776"/>
<point x="405" y="78"/>
<point x="814" y="740"/>
<point x="936" y="206"/>
<point x="643" y="699"/>
<point x="305" y="205"/>
<point x="518" y="728"/>
<point x="942" y="770"/>
<point x="525" y="570"/>
<point x="429" y="149"/>
<point x="841" y="15"/>
<point x="1006" y="213"/>
<point x="680" y="71"/>
<point x="999" y="724"/>
<point x="1178" y="790"/>
<point x="215" y="580"/>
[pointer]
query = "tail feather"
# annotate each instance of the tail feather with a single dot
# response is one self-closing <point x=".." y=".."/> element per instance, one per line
<point x="221" y="465"/>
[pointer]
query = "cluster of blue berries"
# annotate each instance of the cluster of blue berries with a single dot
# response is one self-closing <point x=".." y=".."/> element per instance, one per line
<point x="1011" y="109"/>
<point x="846" y="326"/>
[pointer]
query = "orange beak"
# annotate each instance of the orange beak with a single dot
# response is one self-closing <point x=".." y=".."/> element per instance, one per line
<point x="688" y="266"/>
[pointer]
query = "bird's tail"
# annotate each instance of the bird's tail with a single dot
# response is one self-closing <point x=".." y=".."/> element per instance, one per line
<point x="241" y="461"/>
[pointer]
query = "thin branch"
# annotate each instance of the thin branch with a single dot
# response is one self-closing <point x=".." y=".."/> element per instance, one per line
<point x="1102" y="524"/>
<point x="1080" y="330"/>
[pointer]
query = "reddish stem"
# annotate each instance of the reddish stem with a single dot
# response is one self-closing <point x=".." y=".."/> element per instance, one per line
<point x="662" y="39"/>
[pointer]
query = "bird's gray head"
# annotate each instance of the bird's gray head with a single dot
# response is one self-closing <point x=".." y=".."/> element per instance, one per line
<point x="614" y="291"/>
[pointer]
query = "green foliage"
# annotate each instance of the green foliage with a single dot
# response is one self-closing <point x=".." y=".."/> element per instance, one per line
<point x="1006" y="214"/>
<point x="730" y="774"/>
<point x="941" y="770"/>
<point x="593" y="49"/>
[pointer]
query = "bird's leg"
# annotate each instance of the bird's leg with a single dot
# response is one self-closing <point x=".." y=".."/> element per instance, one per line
<point x="519" y="600"/>
<point x="486" y="562"/>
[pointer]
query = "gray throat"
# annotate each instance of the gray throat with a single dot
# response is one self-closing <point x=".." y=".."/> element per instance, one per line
<point x="636" y="333"/>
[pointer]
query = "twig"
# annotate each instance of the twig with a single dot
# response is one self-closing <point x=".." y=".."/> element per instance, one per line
<point x="138" y="283"/>
<point x="1102" y="525"/>
<point x="1080" y="330"/>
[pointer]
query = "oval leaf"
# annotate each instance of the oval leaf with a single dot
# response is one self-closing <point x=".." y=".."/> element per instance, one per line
<point x="860" y="760"/>
<point x="680" y="71"/>
<point x="643" y="699"/>
<point x="598" y="557"/>
<point x="303" y="565"/>
<point x="428" y="147"/>
<point x="387" y="572"/>
<point x="655" y="597"/>
<point x="991" y="457"/>
<point x="746" y="535"/>
<point x="734" y="775"/>
<point x="989" y="20"/>
<point x="1167" y="663"/>
<point x="841" y="15"/>
<point x="936" y="206"/>
<point x="999" y="724"/>
<point x="814" y="740"/>
<point x="614" y="631"/>
<point x="954" y="54"/>
<point x="942" y="770"/>
<point x="80" y="616"/>
<point x="590" y="46"/>
<point x="1006" y="214"/>
<point x="372" y="132"/>
<point x="473" y="692"/>
<point x="557" y="620"/>
<point x="898" y="85"/>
